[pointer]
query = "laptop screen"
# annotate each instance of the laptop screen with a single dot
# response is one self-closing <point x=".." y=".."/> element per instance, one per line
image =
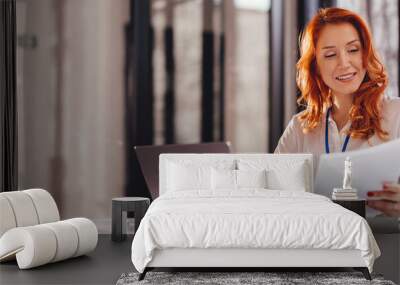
<point x="148" y="157"/>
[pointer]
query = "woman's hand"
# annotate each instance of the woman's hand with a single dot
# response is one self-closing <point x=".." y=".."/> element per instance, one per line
<point x="390" y="199"/>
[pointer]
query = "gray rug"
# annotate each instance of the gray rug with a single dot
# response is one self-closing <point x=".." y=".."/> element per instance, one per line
<point x="229" y="278"/>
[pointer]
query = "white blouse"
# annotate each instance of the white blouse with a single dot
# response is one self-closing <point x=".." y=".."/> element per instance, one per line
<point x="294" y="140"/>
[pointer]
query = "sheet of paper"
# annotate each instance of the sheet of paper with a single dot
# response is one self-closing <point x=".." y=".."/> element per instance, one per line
<point x="370" y="168"/>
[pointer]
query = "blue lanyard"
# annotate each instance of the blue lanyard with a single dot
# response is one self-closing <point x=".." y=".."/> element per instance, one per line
<point x="346" y="141"/>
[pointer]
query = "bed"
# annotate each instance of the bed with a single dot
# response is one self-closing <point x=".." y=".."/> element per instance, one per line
<point x="247" y="210"/>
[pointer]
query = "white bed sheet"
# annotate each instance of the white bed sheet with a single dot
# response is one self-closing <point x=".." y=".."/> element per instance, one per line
<point x="250" y="218"/>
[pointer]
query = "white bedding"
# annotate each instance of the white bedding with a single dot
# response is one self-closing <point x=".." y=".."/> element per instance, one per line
<point x="250" y="218"/>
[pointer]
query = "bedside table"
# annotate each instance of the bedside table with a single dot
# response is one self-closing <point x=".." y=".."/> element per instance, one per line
<point x="357" y="206"/>
<point x="137" y="205"/>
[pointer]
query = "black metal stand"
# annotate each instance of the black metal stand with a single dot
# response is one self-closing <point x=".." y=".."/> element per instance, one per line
<point x="364" y="271"/>
<point x="143" y="274"/>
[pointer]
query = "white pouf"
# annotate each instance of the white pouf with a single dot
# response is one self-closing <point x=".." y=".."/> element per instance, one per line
<point x="37" y="245"/>
<point x="7" y="220"/>
<point x="31" y="232"/>
<point x="22" y="207"/>
<point x="45" y="205"/>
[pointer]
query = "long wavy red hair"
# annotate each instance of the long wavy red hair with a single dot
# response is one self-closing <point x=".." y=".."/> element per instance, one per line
<point x="365" y="113"/>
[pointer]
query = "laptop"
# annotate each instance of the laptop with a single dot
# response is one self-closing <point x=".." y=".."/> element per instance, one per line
<point x="148" y="156"/>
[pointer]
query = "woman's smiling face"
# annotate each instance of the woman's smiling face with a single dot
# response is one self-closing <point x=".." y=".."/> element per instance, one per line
<point x="339" y="58"/>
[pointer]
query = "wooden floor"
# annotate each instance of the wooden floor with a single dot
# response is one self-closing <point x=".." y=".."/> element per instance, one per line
<point x="102" y="266"/>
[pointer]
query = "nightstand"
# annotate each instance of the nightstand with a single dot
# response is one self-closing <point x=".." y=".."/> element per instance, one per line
<point x="357" y="206"/>
<point x="137" y="205"/>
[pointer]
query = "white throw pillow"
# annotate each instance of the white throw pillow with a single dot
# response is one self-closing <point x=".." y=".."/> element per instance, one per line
<point x="251" y="178"/>
<point x="287" y="174"/>
<point x="288" y="177"/>
<point x="223" y="179"/>
<point x="235" y="179"/>
<point x="188" y="177"/>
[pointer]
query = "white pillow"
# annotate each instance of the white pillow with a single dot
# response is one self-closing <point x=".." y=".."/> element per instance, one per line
<point x="283" y="178"/>
<point x="223" y="179"/>
<point x="288" y="174"/>
<point x="226" y="179"/>
<point x="188" y="177"/>
<point x="251" y="178"/>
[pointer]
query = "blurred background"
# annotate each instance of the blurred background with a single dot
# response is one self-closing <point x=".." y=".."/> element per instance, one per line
<point x="97" y="77"/>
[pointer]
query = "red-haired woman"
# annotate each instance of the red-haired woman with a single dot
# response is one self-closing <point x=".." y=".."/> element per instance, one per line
<point x="342" y="83"/>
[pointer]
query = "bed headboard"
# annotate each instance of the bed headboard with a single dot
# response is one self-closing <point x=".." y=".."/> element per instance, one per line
<point x="165" y="158"/>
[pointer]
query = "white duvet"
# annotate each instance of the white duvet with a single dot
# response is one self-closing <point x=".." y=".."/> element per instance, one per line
<point x="250" y="219"/>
